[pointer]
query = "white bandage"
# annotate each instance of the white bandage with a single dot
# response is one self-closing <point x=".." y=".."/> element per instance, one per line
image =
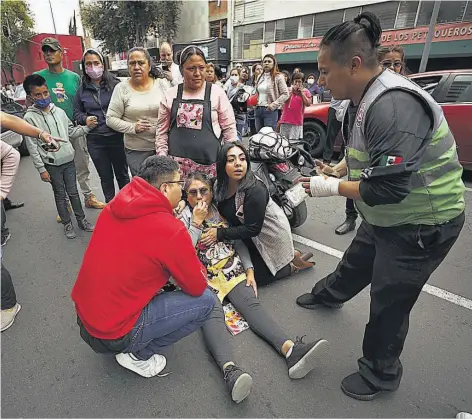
<point x="321" y="186"/>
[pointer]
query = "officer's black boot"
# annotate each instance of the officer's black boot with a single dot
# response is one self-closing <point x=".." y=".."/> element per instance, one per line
<point x="348" y="225"/>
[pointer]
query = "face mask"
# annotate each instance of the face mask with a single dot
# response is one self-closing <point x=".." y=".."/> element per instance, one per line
<point x="42" y="103"/>
<point x="310" y="81"/>
<point x="234" y="79"/>
<point x="95" y="73"/>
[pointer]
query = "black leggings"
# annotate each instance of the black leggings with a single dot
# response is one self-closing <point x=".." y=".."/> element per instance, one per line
<point x="217" y="337"/>
<point x="108" y="156"/>
<point x="332" y="132"/>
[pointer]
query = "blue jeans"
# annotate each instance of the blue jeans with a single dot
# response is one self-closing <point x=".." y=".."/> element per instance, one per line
<point x="265" y="118"/>
<point x="168" y="318"/>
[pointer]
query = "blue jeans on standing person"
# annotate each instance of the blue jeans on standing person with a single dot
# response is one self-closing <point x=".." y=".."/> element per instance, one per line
<point x="265" y="118"/>
<point x="167" y="318"/>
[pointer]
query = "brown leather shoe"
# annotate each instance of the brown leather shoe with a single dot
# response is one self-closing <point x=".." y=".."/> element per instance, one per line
<point x="93" y="202"/>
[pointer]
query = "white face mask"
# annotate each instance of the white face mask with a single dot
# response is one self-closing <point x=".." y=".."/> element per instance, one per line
<point x="310" y="81"/>
<point x="234" y="79"/>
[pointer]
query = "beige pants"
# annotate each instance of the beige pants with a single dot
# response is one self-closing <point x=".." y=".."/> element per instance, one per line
<point x="82" y="160"/>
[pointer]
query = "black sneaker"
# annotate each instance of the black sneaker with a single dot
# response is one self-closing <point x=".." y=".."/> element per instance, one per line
<point x="311" y="302"/>
<point x="69" y="230"/>
<point x="305" y="357"/>
<point x="358" y="388"/>
<point x="5" y="238"/>
<point x="85" y="225"/>
<point x="9" y="205"/>
<point x="239" y="382"/>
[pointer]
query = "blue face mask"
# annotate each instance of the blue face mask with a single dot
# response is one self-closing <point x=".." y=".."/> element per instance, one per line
<point x="43" y="103"/>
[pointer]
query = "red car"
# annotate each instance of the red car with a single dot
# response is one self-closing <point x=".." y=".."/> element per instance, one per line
<point x="452" y="89"/>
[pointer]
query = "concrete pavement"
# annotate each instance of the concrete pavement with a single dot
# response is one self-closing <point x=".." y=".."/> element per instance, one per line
<point x="48" y="371"/>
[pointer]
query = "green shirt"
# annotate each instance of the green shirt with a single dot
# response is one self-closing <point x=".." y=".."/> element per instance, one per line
<point x="62" y="87"/>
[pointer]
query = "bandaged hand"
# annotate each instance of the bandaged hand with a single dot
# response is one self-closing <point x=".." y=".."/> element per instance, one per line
<point x="321" y="186"/>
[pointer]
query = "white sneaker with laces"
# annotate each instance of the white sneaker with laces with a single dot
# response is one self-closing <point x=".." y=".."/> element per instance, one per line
<point x="149" y="368"/>
<point x="8" y="316"/>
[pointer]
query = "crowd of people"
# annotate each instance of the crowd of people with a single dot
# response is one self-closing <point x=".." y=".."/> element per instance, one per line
<point x="200" y="228"/>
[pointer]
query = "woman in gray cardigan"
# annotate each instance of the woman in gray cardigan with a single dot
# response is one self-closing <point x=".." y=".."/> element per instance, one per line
<point x="231" y="276"/>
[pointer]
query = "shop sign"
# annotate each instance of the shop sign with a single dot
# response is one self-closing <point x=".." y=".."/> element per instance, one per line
<point x="442" y="33"/>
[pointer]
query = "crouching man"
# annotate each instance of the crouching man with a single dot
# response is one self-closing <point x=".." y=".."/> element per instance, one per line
<point x="137" y="245"/>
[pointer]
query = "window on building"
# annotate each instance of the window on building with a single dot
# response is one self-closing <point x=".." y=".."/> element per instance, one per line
<point x="407" y="14"/>
<point x="215" y="29"/>
<point x="237" y="38"/>
<point x="305" y="29"/>
<point x="351" y="13"/>
<point x="326" y="20"/>
<point x="269" y="32"/>
<point x="287" y="29"/>
<point x="449" y="12"/>
<point x="252" y="41"/>
<point x="468" y="12"/>
<point x="460" y="90"/>
<point x="386" y="12"/>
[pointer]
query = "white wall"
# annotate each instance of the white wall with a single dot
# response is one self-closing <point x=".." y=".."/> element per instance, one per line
<point x="193" y="23"/>
<point x="280" y="9"/>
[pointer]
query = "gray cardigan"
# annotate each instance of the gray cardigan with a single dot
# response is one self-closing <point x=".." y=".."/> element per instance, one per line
<point x="195" y="233"/>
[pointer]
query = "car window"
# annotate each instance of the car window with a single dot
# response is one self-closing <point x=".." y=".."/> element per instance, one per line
<point x="428" y="83"/>
<point x="460" y="89"/>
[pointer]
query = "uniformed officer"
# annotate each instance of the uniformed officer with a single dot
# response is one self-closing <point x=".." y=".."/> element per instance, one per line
<point x="405" y="178"/>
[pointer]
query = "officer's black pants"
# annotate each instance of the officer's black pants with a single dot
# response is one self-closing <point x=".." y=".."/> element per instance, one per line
<point x="396" y="262"/>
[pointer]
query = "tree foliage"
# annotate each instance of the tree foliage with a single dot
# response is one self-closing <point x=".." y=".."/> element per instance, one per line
<point x="121" y="25"/>
<point x="17" y="28"/>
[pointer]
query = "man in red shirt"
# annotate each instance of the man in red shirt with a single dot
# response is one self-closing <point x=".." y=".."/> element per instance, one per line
<point x="137" y="246"/>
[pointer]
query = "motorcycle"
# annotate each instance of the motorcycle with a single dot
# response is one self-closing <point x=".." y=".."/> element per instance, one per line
<point x="279" y="162"/>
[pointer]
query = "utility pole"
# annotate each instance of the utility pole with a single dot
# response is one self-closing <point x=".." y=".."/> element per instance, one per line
<point x="429" y="39"/>
<point x="52" y="15"/>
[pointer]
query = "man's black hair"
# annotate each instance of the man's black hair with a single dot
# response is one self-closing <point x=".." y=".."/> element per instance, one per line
<point x="157" y="170"/>
<point x="34" y="80"/>
<point x="218" y="72"/>
<point x="359" y="37"/>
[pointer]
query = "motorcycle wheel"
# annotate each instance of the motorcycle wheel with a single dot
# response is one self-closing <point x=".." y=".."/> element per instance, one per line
<point x="296" y="216"/>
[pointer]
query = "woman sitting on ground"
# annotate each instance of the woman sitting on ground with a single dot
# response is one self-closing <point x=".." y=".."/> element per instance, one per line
<point x="231" y="276"/>
<point x="254" y="218"/>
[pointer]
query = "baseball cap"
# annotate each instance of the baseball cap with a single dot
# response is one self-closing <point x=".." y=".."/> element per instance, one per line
<point x="52" y="43"/>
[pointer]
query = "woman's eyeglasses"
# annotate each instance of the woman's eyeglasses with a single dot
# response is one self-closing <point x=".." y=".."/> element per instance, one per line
<point x="390" y="64"/>
<point x="194" y="192"/>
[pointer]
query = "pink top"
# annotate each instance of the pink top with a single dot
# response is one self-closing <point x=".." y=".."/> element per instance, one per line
<point x="222" y="116"/>
<point x="9" y="168"/>
<point x="293" y="109"/>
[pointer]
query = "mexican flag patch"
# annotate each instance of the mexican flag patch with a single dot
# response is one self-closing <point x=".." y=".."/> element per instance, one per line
<point x="390" y="160"/>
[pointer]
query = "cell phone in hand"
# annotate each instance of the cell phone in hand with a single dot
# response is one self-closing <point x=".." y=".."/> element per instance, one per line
<point x="165" y="67"/>
<point x="51" y="146"/>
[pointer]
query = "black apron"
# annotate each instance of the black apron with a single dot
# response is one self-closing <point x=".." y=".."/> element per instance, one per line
<point x="191" y="134"/>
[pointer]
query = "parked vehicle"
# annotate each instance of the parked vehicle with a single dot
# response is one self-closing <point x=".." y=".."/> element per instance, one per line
<point x="279" y="163"/>
<point x="15" y="140"/>
<point x="452" y="89"/>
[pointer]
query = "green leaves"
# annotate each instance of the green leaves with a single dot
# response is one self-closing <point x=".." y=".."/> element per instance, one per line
<point x="19" y="23"/>
<point x="121" y="25"/>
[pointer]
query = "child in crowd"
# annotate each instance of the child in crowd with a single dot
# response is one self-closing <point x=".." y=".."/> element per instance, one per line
<point x="55" y="162"/>
<point x="291" y="122"/>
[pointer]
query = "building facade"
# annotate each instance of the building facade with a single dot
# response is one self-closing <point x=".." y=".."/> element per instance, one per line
<point x="292" y="30"/>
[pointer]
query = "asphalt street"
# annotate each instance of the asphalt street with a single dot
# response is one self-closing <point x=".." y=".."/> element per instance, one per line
<point x="48" y="371"/>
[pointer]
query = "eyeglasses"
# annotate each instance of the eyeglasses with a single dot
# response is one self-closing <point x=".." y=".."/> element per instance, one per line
<point x="179" y="182"/>
<point x="202" y="191"/>
<point x="389" y="64"/>
<point x="139" y="63"/>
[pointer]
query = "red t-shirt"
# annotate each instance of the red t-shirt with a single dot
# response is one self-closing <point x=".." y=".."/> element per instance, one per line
<point x="292" y="112"/>
<point x="137" y="244"/>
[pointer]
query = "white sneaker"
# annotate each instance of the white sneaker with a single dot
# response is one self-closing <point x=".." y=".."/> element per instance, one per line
<point x="464" y="415"/>
<point x="8" y="316"/>
<point x="149" y="368"/>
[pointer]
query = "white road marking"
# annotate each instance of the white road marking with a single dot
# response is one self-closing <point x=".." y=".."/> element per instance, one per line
<point x="429" y="289"/>
<point x="468" y="189"/>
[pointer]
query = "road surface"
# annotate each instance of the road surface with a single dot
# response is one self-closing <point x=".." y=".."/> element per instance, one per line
<point x="48" y="371"/>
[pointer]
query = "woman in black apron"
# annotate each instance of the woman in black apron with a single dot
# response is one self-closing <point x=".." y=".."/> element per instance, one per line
<point x="195" y="118"/>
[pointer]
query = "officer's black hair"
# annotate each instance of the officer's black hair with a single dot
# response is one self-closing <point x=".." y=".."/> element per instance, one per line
<point x="359" y="37"/>
<point x="33" y="80"/>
